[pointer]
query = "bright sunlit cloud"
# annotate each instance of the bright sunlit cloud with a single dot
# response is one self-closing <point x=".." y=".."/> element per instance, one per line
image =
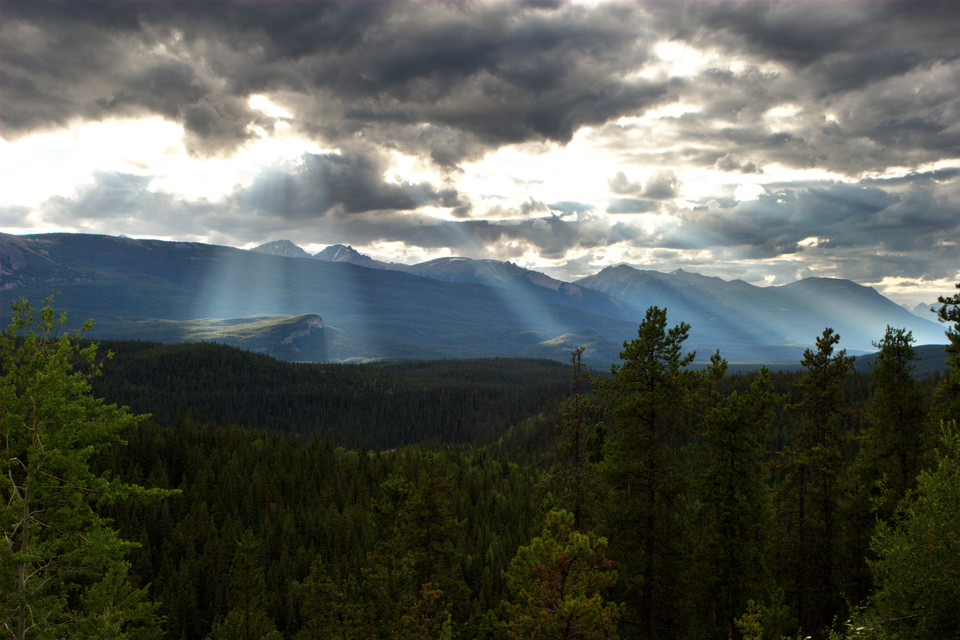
<point x="749" y="191"/>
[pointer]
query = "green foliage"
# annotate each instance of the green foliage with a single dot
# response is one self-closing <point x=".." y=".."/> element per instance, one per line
<point x="371" y="405"/>
<point x="573" y="475"/>
<point x="809" y="497"/>
<point x="893" y="446"/>
<point x="326" y="608"/>
<point x="749" y="624"/>
<point x="733" y="510"/>
<point x="62" y="566"/>
<point x="947" y="398"/>
<point x="642" y="470"/>
<point x="277" y="536"/>
<point x="917" y="566"/>
<point x="246" y="592"/>
<point x="555" y="586"/>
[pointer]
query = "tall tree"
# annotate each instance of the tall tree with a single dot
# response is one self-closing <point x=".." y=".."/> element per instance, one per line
<point x="574" y="473"/>
<point x="917" y="565"/>
<point x="947" y="396"/>
<point x="62" y="566"/>
<point x="733" y="503"/>
<point x="809" y="496"/>
<point x="247" y="618"/>
<point x="642" y="472"/>
<point x="326" y="608"/>
<point x="555" y="586"/>
<point x="428" y="542"/>
<point x="892" y="447"/>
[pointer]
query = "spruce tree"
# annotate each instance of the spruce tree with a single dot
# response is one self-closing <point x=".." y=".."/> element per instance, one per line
<point x="947" y="396"/>
<point x="917" y="564"/>
<point x="809" y="498"/>
<point x="574" y="472"/>
<point x="247" y="618"/>
<point x="893" y="445"/>
<point x="642" y="471"/>
<point x="733" y="509"/>
<point x="63" y="571"/>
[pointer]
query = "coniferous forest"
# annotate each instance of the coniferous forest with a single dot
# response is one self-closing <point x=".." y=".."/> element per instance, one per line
<point x="482" y="499"/>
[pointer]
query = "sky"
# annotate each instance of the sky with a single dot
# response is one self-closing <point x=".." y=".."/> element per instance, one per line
<point x="760" y="141"/>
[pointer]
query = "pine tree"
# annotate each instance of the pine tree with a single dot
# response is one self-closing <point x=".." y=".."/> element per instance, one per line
<point x="643" y="473"/>
<point x="427" y="546"/>
<point x="892" y="448"/>
<point x="326" y="607"/>
<point x="917" y="565"/>
<point x="555" y="584"/>
<point x="574" y="473"/>
<point x="809" y="497"/>
<point x="247" y="618"/>
<point x="733" y="502"/>
<point x="947" y="396"/>
<point x="63" y="571"/>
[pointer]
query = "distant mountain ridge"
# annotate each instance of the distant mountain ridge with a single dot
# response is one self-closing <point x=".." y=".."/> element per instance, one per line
<point x="340" y="305"/>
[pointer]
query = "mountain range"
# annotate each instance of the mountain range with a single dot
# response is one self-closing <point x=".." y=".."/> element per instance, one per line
<point x="340" y="305"/>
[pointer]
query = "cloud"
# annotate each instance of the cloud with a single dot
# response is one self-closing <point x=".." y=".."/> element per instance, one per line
<point x="865" y="233"/>
<point x="661" y="185"/>
<point x="631" y="205"/>
<point x="859" y="227"/>
<point x="446" y="80"/>
<point x="622" y="185"/>
<point x="837" y="114"/>
<point x="732" y="162"/>
<point x="339" y="184"/>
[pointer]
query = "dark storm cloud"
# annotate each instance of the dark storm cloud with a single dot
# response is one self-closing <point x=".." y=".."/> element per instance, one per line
<point x="450" y="81"/>
<point x="865" y="231"/>
<point x="447" y="80"/>
<point x="347" y="183"/>
<point x="803" y="35"/>
<point x="848" y="88"/>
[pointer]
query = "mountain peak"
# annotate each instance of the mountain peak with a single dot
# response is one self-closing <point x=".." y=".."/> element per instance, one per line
<point x="339" y="253"/>
<point x="346" y="253"/>
<point x="283" y="248"/>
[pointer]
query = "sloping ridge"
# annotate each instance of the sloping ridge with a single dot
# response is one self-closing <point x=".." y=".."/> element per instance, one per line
<point x="124" y="285"/>
<point x="143" y="288"/>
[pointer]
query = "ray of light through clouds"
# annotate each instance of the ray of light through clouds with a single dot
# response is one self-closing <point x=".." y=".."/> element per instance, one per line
<point x="753" y="140"/>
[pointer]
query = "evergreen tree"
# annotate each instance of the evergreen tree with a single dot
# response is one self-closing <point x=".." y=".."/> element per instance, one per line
<point x="428" y="548"/>
<point x="247" y="618"/>
<point x="733" y="503"/>
<point x="892" y="448"/>
<point x="917" y="565"/>
<point x="328" y="609"/>
<point x="947" y="396"/>
<point x="809" y="496"/>
<point x="643" y="473"/>
<point x="555" y="583"/>
<point x="63" y="571"/>
<point x="574" y="473"/>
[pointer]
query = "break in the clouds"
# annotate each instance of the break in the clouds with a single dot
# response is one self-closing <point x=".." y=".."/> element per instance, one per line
<point x="754" y="140"/>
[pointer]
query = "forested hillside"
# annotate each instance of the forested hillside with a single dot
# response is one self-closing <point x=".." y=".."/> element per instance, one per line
<point x="376" y="405"/>
<point x="658" y="502"/>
